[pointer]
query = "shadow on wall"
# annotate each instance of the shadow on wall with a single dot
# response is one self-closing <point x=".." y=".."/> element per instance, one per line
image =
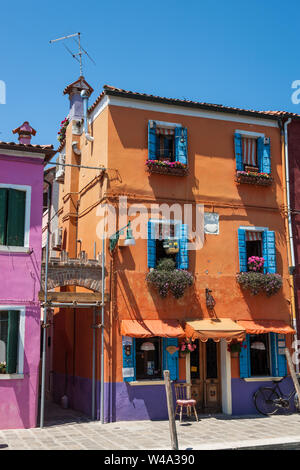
<point x="140" y="402"/>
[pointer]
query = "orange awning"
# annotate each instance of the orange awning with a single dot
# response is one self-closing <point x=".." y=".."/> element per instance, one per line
<point x="150" y="328"/>
<point x="257" y="327"/>
<point x="215" y="329"/>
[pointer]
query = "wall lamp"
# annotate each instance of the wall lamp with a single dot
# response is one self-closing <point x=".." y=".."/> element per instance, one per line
<point x="129" y="241"/>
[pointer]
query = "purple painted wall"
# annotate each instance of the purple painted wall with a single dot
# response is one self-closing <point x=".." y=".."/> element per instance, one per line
<point x="242" y="394"/>
<point x="122" y="402"/>
<point x="19" y="285"/>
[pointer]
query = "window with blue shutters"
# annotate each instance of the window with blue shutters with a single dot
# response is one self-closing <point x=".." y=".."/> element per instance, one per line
<point x="160" y="235"/>
<point x="252" y="154"/>
<point x="167" y="143"/>
<point x="263" y="355"/>
<point x="259" y="243"/>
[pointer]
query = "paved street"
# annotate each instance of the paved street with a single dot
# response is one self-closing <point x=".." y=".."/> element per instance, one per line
<point x="69" y="430"/>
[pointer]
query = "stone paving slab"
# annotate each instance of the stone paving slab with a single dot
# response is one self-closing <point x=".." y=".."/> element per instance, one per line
<point x="69" y="430"/>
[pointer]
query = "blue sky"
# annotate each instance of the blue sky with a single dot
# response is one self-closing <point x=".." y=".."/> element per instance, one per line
<point x="236" y="53"/>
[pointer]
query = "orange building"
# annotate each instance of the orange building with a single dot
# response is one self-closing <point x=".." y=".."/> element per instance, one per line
<point x="170" y="161"/>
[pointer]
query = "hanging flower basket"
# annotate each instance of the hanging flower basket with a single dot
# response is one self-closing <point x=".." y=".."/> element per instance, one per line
<point x="235" y="347"/>
<point x="186" y="347"/>
<point x="166" y="167"/>
<point x="255" y="282"/>
<point x="252" y="177"/>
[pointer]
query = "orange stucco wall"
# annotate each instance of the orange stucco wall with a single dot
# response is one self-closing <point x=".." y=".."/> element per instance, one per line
<point x="121" y="145"/>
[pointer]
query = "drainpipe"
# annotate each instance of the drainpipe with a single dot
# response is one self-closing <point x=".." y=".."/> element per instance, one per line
<point x="291" y="251"/>
<point x="85" y="99"/>
<point x="102" y="335"/>
<point x="42" y="409"/>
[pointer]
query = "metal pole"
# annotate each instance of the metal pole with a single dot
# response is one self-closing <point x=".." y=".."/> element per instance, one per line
<point x="42" y="409"/>
<point x="102" y="335"/>
<point x="94" y="363"/>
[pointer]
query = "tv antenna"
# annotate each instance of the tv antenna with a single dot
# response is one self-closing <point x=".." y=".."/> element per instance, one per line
<point x="81" y="50"/>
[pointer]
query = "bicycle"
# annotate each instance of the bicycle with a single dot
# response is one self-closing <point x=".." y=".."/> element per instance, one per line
<point x="268" y="400"/>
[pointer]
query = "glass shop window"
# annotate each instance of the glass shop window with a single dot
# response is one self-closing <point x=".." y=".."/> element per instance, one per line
<point x="148" y="358"/>
<point x="259" y="355"/>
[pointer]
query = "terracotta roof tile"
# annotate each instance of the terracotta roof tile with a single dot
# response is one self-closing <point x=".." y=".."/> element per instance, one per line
<point x="111" y="90"/>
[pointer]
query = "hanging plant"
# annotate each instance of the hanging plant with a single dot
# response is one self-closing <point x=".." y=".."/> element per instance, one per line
<point x="62" y="132"/>
<point x="186" y="346"/>
<point x="235" y="346"/>
<point x="166" y="278"/>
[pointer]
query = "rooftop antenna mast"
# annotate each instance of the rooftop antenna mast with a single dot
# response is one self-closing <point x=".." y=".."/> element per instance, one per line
<point x="81" y="50"/>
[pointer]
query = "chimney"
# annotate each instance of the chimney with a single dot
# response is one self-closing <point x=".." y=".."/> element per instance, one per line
<point x="25" y="132"/>
<point x="76" y="101"/>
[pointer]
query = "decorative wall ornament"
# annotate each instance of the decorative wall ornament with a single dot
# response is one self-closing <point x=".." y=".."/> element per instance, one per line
<point x="211" y="223"/>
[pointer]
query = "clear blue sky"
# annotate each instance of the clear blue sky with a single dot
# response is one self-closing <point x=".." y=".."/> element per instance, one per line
<point x="236" y="53"/>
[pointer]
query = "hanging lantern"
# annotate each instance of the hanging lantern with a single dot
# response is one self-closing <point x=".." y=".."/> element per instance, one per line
<point x="147" y="346"/>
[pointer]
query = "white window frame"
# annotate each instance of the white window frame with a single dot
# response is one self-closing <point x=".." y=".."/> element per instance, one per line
<point x="21" y="342"/>
<point x="26" y="247"/>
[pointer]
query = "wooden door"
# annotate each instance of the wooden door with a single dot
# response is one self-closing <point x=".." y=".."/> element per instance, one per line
<point x="205" y="376"/>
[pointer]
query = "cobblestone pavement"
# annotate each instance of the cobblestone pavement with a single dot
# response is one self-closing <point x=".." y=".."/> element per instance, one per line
<point x="69" y="430"/>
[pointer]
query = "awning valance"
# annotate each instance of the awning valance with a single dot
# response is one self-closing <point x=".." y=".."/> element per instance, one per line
<point x="215" y="329"/>
<point x="150" y="328"/>
<point x="256" y="327"/>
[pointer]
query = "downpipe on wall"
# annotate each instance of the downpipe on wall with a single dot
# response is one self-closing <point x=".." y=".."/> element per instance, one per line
<point x="290" y="237"/>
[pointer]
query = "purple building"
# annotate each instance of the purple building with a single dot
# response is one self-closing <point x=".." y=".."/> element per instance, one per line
<point x="21" y="202"/>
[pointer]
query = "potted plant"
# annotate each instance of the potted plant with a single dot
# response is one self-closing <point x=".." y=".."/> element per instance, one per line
<point x="3" y="367"/>
<point x="256" y="263"/>
<point x="171" y="246"/>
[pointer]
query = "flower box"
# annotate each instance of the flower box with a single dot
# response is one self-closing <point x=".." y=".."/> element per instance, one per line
<point x="252" y="177"/>
<point x="167" y="279"/>
<point x="267" y="283"/>
<point x="165" y="167"/>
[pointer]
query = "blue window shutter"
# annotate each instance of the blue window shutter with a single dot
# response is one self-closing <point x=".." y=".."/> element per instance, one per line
<point x="278" y="361"/>
<point x="152" y="140"/>
<point x="181" y="147"/>
<point x="182" y="258"/>
<point x="242" y="249"/>
<point x="245" y="370"/>
<point x="151" y="245"/>
<point x="269" y="251"/>
<point x="170" y="361"/>
<point x="238" y="152"/>
<point x="129" y="361"/>
<point x="263" y="155"/>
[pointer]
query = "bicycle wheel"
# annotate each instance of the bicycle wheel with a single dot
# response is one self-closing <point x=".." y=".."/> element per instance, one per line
<point x="264" y="401"/>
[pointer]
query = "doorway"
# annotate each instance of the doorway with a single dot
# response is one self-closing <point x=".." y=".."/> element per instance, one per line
<point x="205" y="376"/>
